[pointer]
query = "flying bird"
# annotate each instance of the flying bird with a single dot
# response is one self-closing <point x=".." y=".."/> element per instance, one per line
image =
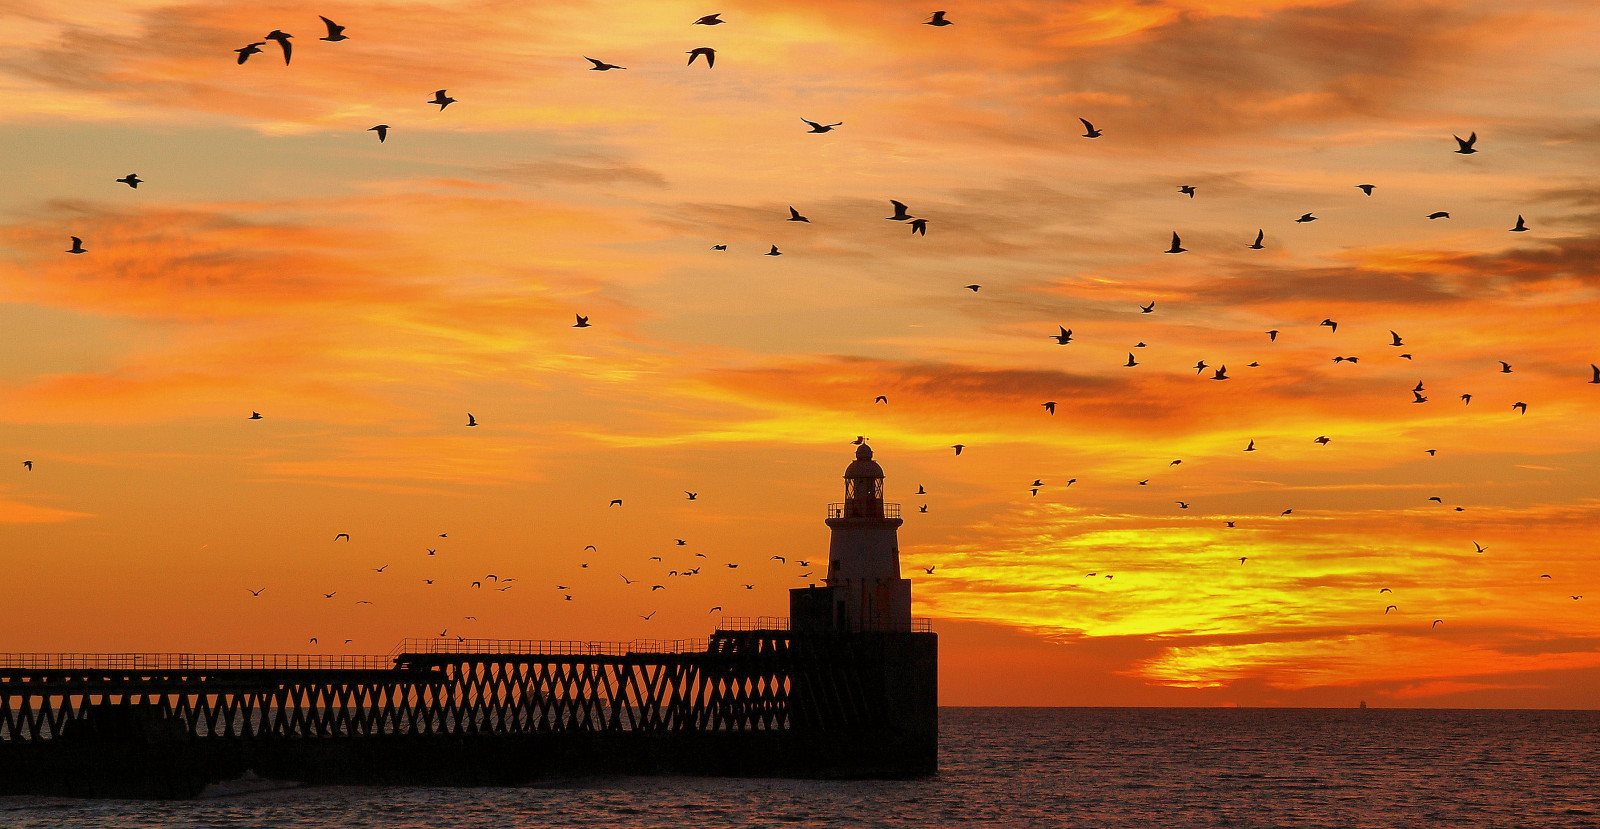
<point x="1200" y="367"/>
<point x="821" y="128"/>
<point x="1222" y="373"/>
<point x="1395" y="339"/>
<point x="1251" y="447"/>
<point x="1438" y="214"/>
<point x="583" y="321"/>
<point x="1419" y="397"/>
<point x="380" y="569"/>
<point x="1465" y="147"/>
<point x="1260" y="234"/>
<point x="1049" y="406"/>
<point x="283" y="41"/>
<point x="709" y="53"/>
<point x="1148" y="309"/>
<point x="1466" y="399"/>
<point x="1181" y="504"/>
<point x="1089" y="130"/>
<point x="921" y="490"/>
<point x="719" y="247"/>
<point x="1177" y="247"/>
<point x="1305" y="217"/>
<point x="1331" y="324"/>
<point x="1186" y="189"/>
<point x="1131" y="362"/>
<point x="1272" y="336"/>
<point x="1287" y="512"/>
<point x="255" y="592"/>
<point x="1365" y="188"/>
<point x="131" y="179"/>
<point x="615" y="502"/>
<point x="681" y="542"/>
<point x="335" y="31"/>
<point x="252" y="49"/>
<point x="1479" y="548"/>
<point x="884" y="399"/>
<point x="647" y="617"/>
<point x="710" y="20"/>
<point x="1064" y="337"/>
<point x="692" y="495"/>
<point x="330" y="595"/>
<point x="900" y="213"/>
<point x="1321" y="439"/>
<point x="773" y="252"/>
<point x="345" y="536"/>
<point x="1505" y="367"/>
<point x="1519" y="405"/>
<point x="1521" y="226"/>
<point x="919" y="226"/>
<point x="382" y="130"/>
<point x="1389" y="608"/>
<point x="937" y="20"/>
<point x="254" y="416"/>
<point x="471" y="421"/>
<point x="972" y="288"/>
<point x="1436" y="623"/>
<point x="923" y="508"/>
<point x="77" y="245"/>
<point x="958" y="447"/>
<point x="1596" y="370"/>
<point x="28" y="465"/>
<point x="601" y="66"/>
<point x="794" y="216"/>
<point x="442" y="100"/>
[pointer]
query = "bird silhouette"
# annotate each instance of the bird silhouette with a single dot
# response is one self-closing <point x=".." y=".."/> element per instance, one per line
<point x="615" y="502"/>
<point x="380" y="569"/>
<point x="1521" y="406"/>
<point x="254" y="416"/>
<point x="1321" y="439"/>
<point x="1389" y="608"/>
<point x="1186" y="189"/>
<point x="709" y="53"/>
<point x="382" y="130"/>
<point x="1333" y="326"/>
<point x="335" y="31"/>
<point x="1365" y="188"/>
<point x="442" y="100"/>
<point x="1089" y="130"/>
<point x="330" y="595"/>
<point x="920" y="491"/>
<point x="1466" y="399"/>
<point x="1418" y="397"/>
<point x="255" y="592"/>
<point x="958" y="447"/>
<point x="794" y="216"/>
<point x="1049" y="406"/>
<point x="1505" y="367"/>
<point x="77" y="246"/>
<point x="937" y="20"/>
<point x="710" y="20"/>
<point x="1395" y="339"/>
<point x="1222" y="373"/>
<point x="691" y="495"/>
<point x="1200" y="367"/>
<point x="1064" y="337"/>
<point x="1251" y="447"/>
<point x="1521" y="226"/>
<point x="583" y="321"/>
<point x="919" y="227"/>
<point x="132" y="180"/>
<point x="1256" y="245"/>
<point x="1465" y="147"/>
<point x="471" y="421"/>
<point x="681" y="542"/>
<point x="647" y="617"/>
<point x="28" y="465"/>
<point x="1305" y="217"/>
<point x="601" y="66"/>
<point x="900" y="213"/>
<point x="882" y="398"/>
<point x="1148" y="309"/>
<point x="1177" y="246"/>
<point x="1479" y="548"/>
<point x="972" y="288"/>
<point x="345" y="536"/>
<point x="821" y="128"/>
<point x="283" y="41"/>
<point x="773" y="252"/>
<point x="719" y="247"/>
<point x="1439" y="214"/>
<point x="1131" y="362"/>
<point x="923" y="508"/>
<point x="252" y="49"/>
<point x="1182" y="504"/>
<point x="1596" y="371"/>
<point x="1436" y="623"/>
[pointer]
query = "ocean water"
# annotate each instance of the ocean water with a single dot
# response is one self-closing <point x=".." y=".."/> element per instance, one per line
<point x="1091" y="767"/>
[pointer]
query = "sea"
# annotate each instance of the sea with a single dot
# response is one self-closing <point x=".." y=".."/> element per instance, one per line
<point x="1015" y="767"/>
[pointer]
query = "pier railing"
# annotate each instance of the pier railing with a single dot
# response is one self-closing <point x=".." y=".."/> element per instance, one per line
<point x="918" y="624"/>
<point x="188" y="661"/>
<point x="547" y="647"/>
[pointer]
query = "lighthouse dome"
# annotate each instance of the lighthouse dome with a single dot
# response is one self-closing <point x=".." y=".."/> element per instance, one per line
<point x="863" y="466"/>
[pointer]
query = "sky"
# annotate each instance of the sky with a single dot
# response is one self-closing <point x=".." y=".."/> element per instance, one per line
<point x="365" y="296"/>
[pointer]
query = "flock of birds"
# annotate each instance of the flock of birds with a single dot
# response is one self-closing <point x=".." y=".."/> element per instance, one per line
<point x="663" y="573"/>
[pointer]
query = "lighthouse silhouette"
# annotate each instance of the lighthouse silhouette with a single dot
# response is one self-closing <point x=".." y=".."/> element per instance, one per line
<point x="864" y="590"/>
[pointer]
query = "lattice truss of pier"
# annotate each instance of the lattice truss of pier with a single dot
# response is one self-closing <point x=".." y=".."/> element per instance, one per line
<point x="739" y="680"/>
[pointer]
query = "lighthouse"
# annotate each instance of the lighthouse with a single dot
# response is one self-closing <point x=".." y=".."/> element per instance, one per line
<point x="864" y="590"/>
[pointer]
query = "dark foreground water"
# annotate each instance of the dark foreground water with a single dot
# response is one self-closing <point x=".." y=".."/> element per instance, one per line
<point x="1128" y="767"/>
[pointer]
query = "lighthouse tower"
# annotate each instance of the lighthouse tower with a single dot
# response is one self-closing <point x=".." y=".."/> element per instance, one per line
<point x="864" y="589"/>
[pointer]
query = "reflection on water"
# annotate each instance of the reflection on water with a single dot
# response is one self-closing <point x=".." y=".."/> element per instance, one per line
<point x="1020" y="767"/>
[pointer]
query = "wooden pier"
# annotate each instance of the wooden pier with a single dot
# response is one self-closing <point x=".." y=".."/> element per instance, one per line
<point x="754" y="699"/>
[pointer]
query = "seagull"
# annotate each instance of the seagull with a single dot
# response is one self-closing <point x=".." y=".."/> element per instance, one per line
<point x="1596" y="369"/>
<point x="900" y="213"/>
<point x="692" y="495"/>
<point x="442" y="100"/>
<point x="821" y="128"/>
<point x="1521" y="226"/>
<point x="1439" y="214"/>
<point x="1505" y="367"/>
<point x="1260" y="234"/>
<point x="1251" y="447"/>
<point x="652" y="613"/>
<point x="1436" y="623"/>
<point x="1322" y="439"/>
<point x="972" y="288"/>
<point x="1049" y="406"/>
<point x="1441" y="500"/>
<point x="1575" y="598"/>
<point x="884" y="399"/>
<point x="655" y="587"/>
<point x="283" y="40"/>
<point x="794" y="216"/>
<point x="131" y="179"/>
<point x="1432" y="451"/>
<point x="345" y="536"/>
<point x="1145" y="482"/>
<point x="330" y="595"/>
<point x="432" y="551"/>
<point x="1287" y="512"/>
<point x="919" y="226"/>
<point x="1175" y="463"/>
<point x="255" y="592"/>
<point x="1466" y="399"/>
<point x="1521" y="406"/>
<point x="1305" y="217"/>
<point x="252" y="49"/>
<point x="719" y="247"/>
<point x="936" y="20"/>
<point x="28" y="465"/>
<point x="779" y="559"/>
<point x="1331" y="324"/>
<point x="710" y="55"/>
<point x="1465" y="147"/>
<point x="1544" y="575"/>
<point x="335" y="31"/>
<point x="1064" y="337"/>
<point x="1243" y="559"/>
<point x="1176" y="247"/>
<point x="1419" y="397"/>
<point x="681" y="542"/>
<point x="929" y="570"/>
<point x="601" y="66"/>
<point x="380" y="569"/>
<point x="382" y="130"/>
<point x="1365" y="188"/>
<point x="77" y="245"/>
<point x="1272" y="336"/>
<point x="1131" y="362"/>
<point x="921" y="490"/>
<point x="1396" y="339"/>
<point x="1229" y="523"/>
<point x="1090" y="131"/>
<point x="924" y="507"/>
<point x="1389" y="608"/>
<point x="254" y="416"/>
<point x="615" y="502"/>
<point x="1479" y="547"/>
<point x="583" y="321"/>
<point x="860" y="439"/>
<point x="710" y="20"/>
<point x="1200" y="367"/>
<point x="1186" y="189"/>
<point x="958" y="447"/>
<point x="1222" y="373"/>
<point x="1181" y="504"/>
<point x="773" y="252"/>
<point x="1148" y="309"/>
<point x="471" y="421"/>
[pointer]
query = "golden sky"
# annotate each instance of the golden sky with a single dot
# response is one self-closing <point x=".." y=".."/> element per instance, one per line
<point x="365" y="296"/>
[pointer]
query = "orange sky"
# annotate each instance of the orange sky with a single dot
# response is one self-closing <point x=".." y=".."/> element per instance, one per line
<point x="365" y="297"/>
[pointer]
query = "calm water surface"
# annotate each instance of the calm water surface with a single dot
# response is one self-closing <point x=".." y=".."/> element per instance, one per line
<point x="1024" y="767"/>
